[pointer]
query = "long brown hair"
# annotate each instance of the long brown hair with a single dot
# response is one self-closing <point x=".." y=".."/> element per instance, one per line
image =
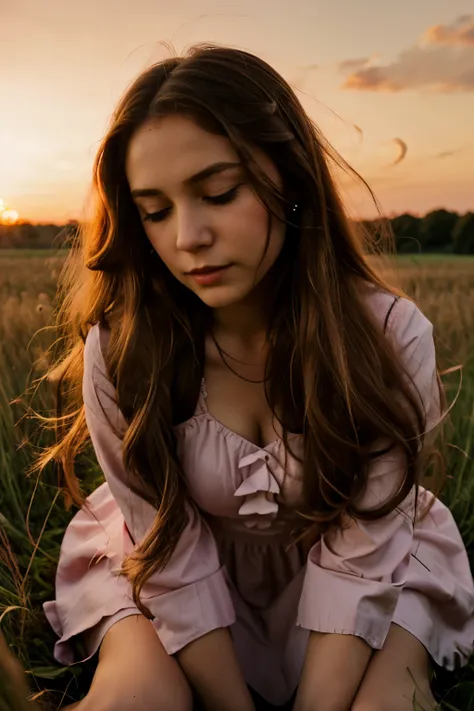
<point x="331" y="371"/>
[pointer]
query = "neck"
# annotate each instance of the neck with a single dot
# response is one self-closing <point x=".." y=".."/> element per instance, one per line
<point x="239" y="321"/>
<point x="247" y="320"/>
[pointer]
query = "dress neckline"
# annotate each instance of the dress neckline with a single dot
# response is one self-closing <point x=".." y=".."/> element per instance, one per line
<point x="205" y="410"/>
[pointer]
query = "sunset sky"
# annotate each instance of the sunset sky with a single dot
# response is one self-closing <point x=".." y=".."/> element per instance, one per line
<point x="390" y="84"/>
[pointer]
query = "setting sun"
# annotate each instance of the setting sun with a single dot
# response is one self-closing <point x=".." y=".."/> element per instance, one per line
<point x="7" y="216"/>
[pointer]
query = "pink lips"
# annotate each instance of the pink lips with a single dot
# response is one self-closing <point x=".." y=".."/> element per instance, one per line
<point x="208" y="275"/>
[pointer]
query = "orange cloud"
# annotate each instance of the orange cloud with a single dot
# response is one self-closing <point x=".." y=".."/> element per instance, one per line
<point x="454" y="151"/>
<point x="446" y="154"/>
<point x="460" y="32"/>
<point x="351" y="65"/>
<point x="443" y="61"/>
<point x="372" y="79"/>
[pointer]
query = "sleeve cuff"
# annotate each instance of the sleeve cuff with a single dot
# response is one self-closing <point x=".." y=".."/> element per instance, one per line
<point x="335" y="602"/>
<point x="183" y="615"/>
<point x="180" y="617"/>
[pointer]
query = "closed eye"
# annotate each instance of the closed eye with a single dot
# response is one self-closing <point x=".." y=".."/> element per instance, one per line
<point x="222" y="199"/>
<point x="157" y="216"/>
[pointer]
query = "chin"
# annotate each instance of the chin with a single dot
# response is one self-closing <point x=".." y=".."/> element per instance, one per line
<point x="221" y="297"/>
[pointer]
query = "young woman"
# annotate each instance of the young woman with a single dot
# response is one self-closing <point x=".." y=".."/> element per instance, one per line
<point x="257" y="398"/>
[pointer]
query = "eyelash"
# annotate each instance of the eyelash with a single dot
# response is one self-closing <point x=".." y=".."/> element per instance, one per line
<point x="222" y="199"/>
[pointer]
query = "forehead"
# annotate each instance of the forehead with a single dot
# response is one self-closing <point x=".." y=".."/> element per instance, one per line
<point x="169" y="150"/>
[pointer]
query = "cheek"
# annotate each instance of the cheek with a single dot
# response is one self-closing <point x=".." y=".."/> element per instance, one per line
<point x="163" y="247"/>
<point x="262" y="241"/>
<point x="258" y="218"/>
<point x="249" y="227"/>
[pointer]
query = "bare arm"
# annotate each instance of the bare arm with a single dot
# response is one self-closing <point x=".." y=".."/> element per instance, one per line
<point x="333" y="670"/>
<point x="211" y="667"/>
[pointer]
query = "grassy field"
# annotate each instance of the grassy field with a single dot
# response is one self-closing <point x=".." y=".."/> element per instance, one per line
<point x="41" y="253"/>
<point x="32" y="518"/>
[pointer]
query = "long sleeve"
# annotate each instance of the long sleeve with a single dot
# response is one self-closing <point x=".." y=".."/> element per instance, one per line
<point x="190" y="596"/>
<point x="355" y="574"/>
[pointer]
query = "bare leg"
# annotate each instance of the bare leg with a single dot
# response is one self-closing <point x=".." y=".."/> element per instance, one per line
<point x="135" y="672"/>
<point x="397" y="675"/>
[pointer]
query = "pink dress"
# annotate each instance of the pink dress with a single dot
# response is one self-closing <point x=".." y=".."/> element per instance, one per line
<point x="232" y="566"/>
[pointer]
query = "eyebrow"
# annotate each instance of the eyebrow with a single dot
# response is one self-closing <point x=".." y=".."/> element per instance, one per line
<point x="213" y="169"/>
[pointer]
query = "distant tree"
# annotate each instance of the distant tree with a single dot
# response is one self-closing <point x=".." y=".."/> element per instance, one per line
<point x="27" y="235"/>
<point x="406" y="229"/>
<point x="47" y="235"/>
<point x="436" y="229"/>
<point x="69" y="234"/>
<point x="376" y="232"/>
<point x="6" y="236"/>
<point x="463" y="234"/>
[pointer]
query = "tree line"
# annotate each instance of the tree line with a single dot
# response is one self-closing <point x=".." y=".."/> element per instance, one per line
<point x="439" y="231"/>
<point x="25" y="235"/>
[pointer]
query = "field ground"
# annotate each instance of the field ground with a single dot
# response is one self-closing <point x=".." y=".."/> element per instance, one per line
<point x="443" y="286"/>
<point x="22" y="253"/>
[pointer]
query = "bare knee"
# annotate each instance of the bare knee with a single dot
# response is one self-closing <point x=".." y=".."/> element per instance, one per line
<point x="423" y="700"/>
<point x="372" y="704"/>
<point x="365" y="705"/>
<point x="376" y="703"/>
<point x="167" y="700"/>
<point x="152" y="698"/>
<point x="135" y="673"/>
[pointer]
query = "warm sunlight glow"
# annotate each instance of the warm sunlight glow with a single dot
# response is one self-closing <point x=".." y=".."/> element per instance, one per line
<point x="7" y="216"/>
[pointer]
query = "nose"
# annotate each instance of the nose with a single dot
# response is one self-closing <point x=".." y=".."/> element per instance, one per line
<point x="192" y="230"/>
